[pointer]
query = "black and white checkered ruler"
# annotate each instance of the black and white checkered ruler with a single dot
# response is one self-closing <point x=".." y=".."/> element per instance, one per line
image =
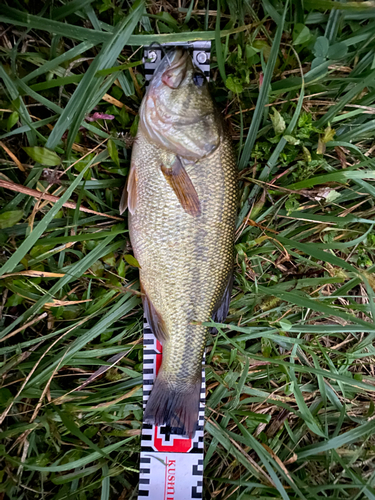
<point x="171" y="466"/>
<point x="200" y="53"/>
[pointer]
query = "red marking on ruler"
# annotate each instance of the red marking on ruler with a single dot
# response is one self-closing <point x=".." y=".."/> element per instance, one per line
<point x="158" y="360"/>
<point x="158" y="357"/>
<point x="159" y="347"/>
<point x="165" y="479"/>
<point x="170" y="479"/>
<point x="175" y="445"/>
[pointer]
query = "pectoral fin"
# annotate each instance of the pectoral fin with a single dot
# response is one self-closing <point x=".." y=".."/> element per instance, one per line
<point x="124" y="200"/>
<point x="180" y="182"/>
<point x="129" y="193"/>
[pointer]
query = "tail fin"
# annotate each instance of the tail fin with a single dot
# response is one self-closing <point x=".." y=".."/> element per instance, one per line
<point x="176" y="407"/>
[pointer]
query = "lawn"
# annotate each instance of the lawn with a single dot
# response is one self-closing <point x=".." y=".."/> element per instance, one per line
<point x="290" y="376"/>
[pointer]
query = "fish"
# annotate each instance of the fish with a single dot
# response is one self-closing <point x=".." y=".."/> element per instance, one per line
<point x="181" y="196"/>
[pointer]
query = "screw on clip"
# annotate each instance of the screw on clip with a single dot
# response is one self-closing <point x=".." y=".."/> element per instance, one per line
<point x="202" y="57"/>
<point x="152" y="55"/>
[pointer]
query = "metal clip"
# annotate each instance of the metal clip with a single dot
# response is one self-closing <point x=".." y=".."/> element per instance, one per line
<point x="201" y="54"/>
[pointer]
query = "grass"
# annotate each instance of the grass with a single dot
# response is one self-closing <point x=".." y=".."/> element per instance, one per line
<point x="290" y="375"/>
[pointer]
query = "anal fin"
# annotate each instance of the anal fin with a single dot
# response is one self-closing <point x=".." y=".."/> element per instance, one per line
<point x="180" y="182"/>
<point x="154" y="319"/>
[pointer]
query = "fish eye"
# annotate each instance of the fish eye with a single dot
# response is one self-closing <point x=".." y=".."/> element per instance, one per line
<point x="198" y="79"/>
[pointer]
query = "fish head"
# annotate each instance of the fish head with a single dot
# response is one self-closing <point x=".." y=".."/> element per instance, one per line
<point x="177" y="112"/>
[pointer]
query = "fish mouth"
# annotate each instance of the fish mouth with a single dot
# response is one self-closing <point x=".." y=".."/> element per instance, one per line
<point x="175" y="72"/>
<point x="172" y="57"/>
<point x="177" y="58"/>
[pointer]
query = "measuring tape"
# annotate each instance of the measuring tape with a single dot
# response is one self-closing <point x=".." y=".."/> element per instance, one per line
<point x="171" y="466"/>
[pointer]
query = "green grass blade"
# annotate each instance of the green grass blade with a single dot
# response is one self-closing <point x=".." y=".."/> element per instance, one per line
<point x="76" y="463"/>
<point x="263" y="95"/>
<point x="125" y="304"/>
<point x="218" y="48"/>
<point x="69" y="8"/>
<point x="58" y="61"/>
<point x="338" y="441"/>
<point x="35" y="235"/>
<point x="81" y="101"/>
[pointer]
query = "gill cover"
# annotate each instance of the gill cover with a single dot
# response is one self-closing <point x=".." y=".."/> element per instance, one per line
<point x="177" y="112"/>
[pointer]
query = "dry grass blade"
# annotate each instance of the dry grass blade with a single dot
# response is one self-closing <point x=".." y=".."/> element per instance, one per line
<point x="23" y="327"/>
<point x="13" y="156"/>
<point x="117" y="400"/>
<point x="34" y="274"/>
<point x="49" y="197"/>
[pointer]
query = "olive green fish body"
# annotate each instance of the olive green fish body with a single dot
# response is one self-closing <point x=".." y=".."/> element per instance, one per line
<point x="186" y="261"/>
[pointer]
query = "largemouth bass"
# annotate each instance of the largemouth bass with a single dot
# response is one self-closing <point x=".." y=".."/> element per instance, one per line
<point x="182" y="198"/>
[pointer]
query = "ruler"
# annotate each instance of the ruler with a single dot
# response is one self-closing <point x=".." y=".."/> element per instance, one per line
<point x="171" y="466"/>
